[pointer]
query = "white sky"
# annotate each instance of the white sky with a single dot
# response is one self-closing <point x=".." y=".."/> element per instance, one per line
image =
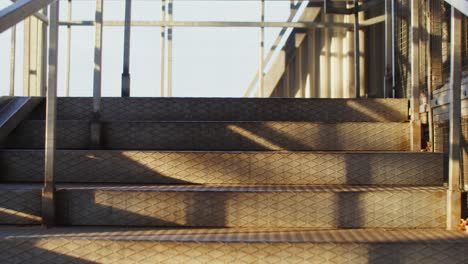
<point x="206" y="61"/>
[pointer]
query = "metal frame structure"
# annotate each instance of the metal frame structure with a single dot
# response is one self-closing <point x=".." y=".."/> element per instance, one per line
<point x="22" y="9"/>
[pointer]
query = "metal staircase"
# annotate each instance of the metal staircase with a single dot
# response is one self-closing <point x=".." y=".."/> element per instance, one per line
<point x="228" y="180"/>
<point x="225" y="180"/>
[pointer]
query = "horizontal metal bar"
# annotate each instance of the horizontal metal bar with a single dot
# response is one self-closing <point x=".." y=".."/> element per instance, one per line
<point x="18" y="11"/>
<point x="373" y="21"/>
<point x="136" y="23"/>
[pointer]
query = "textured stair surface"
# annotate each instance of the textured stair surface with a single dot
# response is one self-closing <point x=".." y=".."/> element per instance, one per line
<point x="109" y="245"/>
<point x="253" y="206"/>
<point x="201" y="167"/>
<point x="221" y="135"/>
<point x="323" y="206"/>
<point x="235" y="109"/>
<point x="223" y="180"/>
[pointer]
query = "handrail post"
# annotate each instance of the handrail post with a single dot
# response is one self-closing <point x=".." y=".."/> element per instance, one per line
<point x="415" y="81"/>
<point x="357" y="56"/>
<point x="163" y="47"/>
<point x="388" y="85"/>
<point x="454" y="190"/>
<point x="68" y="59"/>
<point x="95" y="126"/>
<point x="12" y="61"/>
<point x="262" y="52"/>
<point x="169" y="49"/>
<point x="48" y="192"/>
<point x="126" y="57"/>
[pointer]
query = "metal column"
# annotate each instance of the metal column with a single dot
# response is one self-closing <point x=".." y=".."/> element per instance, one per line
<point x="68" y="60"/>
<point x="12" y="61"/>
<point x="163" y="46"/>
<point x="169" y="51"/>
<point x="261" y="82"/>
<point x="388" y="83"/>
<point x="95" y="126"/>
<point x="48" y="192"/>
<point x="357" y="71"/>
<point x="126" y="56"/>
<point x="415" y="81"/>
<point x="454" y="190"/>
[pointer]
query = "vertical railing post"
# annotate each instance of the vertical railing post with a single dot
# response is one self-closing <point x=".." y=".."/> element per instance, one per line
<point x="12" y="61"/>
<point x="44" y="43"/>
<point x="95" y="127"/>
<point x="163" y="47"/>
<point x="68" y="62"/>
<point x="262" y="51"/>
<point x="415" y="81"/>
<point x="169" y="49"/>
<point x="126" y="56"/>
<point x="357" y="55"/>
<point x="454" y="189"/>
<point x="388" y="86"/>
<point x="48" y="192"/>
<point x="26" y="55"/>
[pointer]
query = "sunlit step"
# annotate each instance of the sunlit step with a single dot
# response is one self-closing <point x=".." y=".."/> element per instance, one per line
<point x="220" y="135"/>
<point x="232" y="167"/>
<point x="234" y="109"/>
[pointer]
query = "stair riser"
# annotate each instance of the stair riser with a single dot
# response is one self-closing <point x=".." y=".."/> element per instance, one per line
<point x="118" y="251"/>
<point x="20" y="207"/>
<point x="227" y="167"/>
<point x="221" y="136"/>
<point x="234" y="109"/>
<point x="395" y="209"/>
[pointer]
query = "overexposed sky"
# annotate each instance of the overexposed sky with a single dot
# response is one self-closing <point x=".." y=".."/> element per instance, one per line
<point x="209" y="62"/>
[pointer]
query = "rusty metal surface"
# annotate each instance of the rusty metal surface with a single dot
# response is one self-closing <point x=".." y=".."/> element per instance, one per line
<point x="221" y="135"/>
<point x="228" y="167"/>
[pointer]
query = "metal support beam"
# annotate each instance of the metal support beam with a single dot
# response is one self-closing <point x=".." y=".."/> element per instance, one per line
<point x="48" y="192"/>
<point x="12" y="61"/>
<point x="169" y="50"/>
<point x="261" y="82"/>
<point x="357" y="71"/>
<point x="415" y="80"/>
<point x="95" y="127"/>
<point x="68" y="59"/>
<point x="454" y="190"/>
<point x="163" y="47"/>
<point x="126" y="56"/>
<point x="388" y="86"/>
<point x="249" y="24"/>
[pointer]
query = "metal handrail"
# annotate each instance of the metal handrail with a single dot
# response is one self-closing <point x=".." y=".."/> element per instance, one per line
<point x="19" y="10"/>
<point x="9" y="17"/>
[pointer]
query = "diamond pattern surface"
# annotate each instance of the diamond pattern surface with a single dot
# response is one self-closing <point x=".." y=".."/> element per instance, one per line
<point x="325" y="207"/>
<point x="221" y="135"/>
<point x="20" y="205"/>
<point x="228" y="167"/>
<point x="57" y="250"/>
<point x="235" y="109"/>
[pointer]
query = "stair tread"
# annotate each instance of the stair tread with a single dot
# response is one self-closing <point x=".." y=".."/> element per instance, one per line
<point x="248" y="235"/>
<point x="227" y="188"/>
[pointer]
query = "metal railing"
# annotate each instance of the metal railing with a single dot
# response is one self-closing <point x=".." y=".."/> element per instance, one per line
<point x="21" y="9"/>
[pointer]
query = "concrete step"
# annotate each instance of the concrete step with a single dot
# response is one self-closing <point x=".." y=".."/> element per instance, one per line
<point x="111" y="245"/>
<point x="220" y="167"/>
<point x="220" y="135"/>
<point x="234" y="109"/>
